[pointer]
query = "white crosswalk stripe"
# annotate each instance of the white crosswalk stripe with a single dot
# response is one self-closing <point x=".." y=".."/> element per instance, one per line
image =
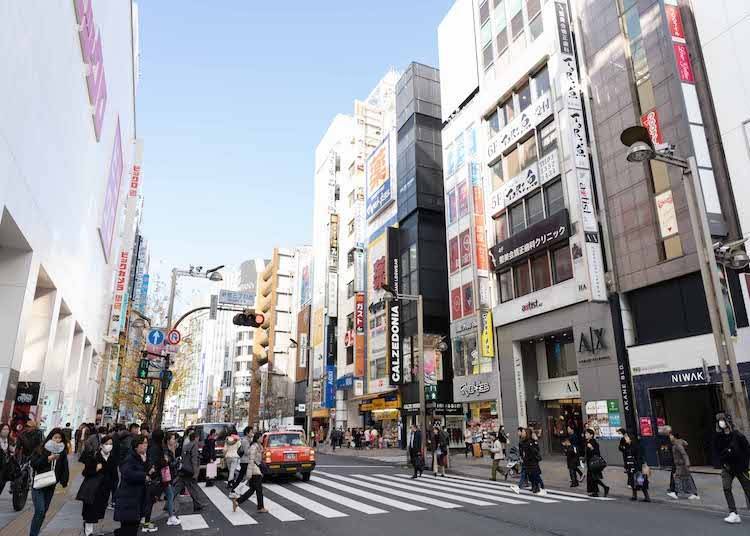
<point x="366" y="494"/>
<point x="303" y="501"/>
<point x="552" y="494"/>
<point x="507" y="497"/>
<point x="339" y="499"/>
<point x="397" y="493"/>
<point x="193" y="522"/>
<point x="425" y="490"/>
<point x="276" y="510"/>
<point x="224" y="505"/>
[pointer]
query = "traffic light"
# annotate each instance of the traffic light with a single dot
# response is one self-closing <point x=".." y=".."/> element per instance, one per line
<point x="249" y="318"/>
<point x="148" y="394"/>
<point x="143" y="369"/>
<point x="166" y="379"/>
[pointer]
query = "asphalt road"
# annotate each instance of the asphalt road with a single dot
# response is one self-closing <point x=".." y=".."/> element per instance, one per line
<point x="349" y="496"/>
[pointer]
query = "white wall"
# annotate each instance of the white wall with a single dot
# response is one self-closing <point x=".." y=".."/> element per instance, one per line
<point x="53" y="172"/>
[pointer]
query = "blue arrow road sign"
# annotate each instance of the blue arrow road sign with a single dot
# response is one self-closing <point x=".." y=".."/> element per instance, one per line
<point x="156" y="337"/>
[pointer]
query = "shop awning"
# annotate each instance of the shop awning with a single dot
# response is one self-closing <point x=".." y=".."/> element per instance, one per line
<point x="371" y="396"/>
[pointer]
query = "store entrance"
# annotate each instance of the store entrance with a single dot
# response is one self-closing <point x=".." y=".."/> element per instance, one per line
<point x="690" y="411"/>
<point x="559" y="415"/>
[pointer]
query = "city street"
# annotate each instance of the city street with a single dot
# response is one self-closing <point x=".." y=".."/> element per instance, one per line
<point x="349" y="495"/>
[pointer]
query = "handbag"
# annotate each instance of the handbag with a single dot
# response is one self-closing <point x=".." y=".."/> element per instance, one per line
<point x="597" y="463"/>
<point x="166" y="475"/>
<point x="242" y="488"/>
<point x="211" y="470"/>
<point x="640" y="478"/>
<point x="46" y="479"/>
<point x="264" y="469"/>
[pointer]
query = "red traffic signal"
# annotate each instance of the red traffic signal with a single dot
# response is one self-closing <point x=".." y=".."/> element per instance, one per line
<point x="253" y="320"/>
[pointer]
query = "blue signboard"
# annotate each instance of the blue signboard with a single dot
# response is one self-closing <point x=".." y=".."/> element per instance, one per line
<point x="345" y="382"/>
<point x="330" y="391"/>
<point x="378" y="175"/>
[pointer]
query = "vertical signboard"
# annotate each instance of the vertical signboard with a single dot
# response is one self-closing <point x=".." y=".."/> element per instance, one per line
<point x="330" y="387"/>
<point x="359" y="335"/>
<point x="597" y="289"/>
<point x="488" y="334"/>
<point x="379" y="180"/>
<point x="393" y="313"/>
<point x="112" y="194"/>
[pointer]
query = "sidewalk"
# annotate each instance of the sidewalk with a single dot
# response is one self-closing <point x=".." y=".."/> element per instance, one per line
<point x="555" y="475"/>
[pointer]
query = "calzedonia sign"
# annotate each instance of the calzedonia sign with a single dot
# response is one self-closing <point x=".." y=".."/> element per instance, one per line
<point x="393" y="335"/>
<point x="531" y="240"/>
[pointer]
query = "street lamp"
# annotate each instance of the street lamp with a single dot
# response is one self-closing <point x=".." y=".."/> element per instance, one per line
<point x="194" y="271"/>
<point x="641" y="149"/>
<point x="308" y="398"/>
<point x="391" y="294"/>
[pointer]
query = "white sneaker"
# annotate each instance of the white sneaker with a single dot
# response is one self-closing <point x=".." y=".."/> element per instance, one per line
<point x="733" y="518"/>
<point x="694" y="497"/>
<point x="173" y="521"/>
<point x="516" y="490"/>
<point x="672" y="494"/>
<point x="543" y="492"/>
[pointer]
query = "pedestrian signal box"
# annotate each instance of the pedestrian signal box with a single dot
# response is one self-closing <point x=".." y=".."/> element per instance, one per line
<point x="143" y="369"/>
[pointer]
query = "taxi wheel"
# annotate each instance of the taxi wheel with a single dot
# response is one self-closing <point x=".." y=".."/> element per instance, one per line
<point x="305" y="476"/>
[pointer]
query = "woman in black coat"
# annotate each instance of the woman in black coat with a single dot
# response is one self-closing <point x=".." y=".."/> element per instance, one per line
<point x="631" y="454"/>
<point x="49" y="456"/>
<point x="99" y="476"/>
<point x="131" y="495"/>
<point x="593" y="475"/>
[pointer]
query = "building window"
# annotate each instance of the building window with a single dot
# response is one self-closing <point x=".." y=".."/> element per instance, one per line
<point x="534" y="208"/>
<point x="350" y="289"/>
<point x="522" y="279"/>
<point x="350" y="259"/>
<point x="541" y="82"/>
<point x="508" y="111"/>
<point x="240" y="335"/>
<point x="561" y="355"/>
<point x="501" y="228"/>
<point x="506" y="286"/>
<point x="487" y="55"/>
<point x="501" y="27"/>
<point x="352" y="226"/>
<point x="351" y="198"/>
<point x="529" y="154"/>
<point x="548" y="138"/>
<point x="484" y="12"/>
<point x="562" y="266"/>
<point x="238" y="351"/>
<point x="350" y="321"/>
<point x="516" y="17"/>
<point x="494" y="123"/>
<point x="524" y="97"/>
<point x="350" y="355"/>
<point x="540" y="271"/>
<point x="553" y="196"/>
<point x="512" y="163"/>
<point x="517" y="218"/>
<point x="496" y="172"/>
<point x="533" y="11"/>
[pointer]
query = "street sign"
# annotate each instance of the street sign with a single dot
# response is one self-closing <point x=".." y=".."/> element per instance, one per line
<point x="156" y="337"/>
<point x="173" y="337"/>
<point x="234" y="297"/>
<point x="155" y="340"/>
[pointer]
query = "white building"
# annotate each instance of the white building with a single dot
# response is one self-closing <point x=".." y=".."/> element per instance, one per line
<point x="67" y="156"/>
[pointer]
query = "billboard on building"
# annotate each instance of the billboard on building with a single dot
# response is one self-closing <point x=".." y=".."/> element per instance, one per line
<point x="380" y="179"/>
<point x="377" y="254"/>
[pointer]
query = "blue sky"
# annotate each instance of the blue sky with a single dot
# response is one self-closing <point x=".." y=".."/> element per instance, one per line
<point x="234" y="97"/>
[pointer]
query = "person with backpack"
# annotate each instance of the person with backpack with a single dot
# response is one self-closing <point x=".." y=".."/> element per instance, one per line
<point x="30" y="438"/>
<point x="99" y="475"/>
<point x="188" y="474"/>
<point x="50" y="464"/>
<point x="734" y="454"/>
<point x="244" y="453"/>
<point x="232" y="456"/>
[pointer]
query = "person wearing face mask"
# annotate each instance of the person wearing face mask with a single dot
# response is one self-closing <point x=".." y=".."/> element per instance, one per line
<point x="99" y="476"/>
<point x="734" y="454"/>
<point x="131" y="495"/>
<point x="49" y="456"/>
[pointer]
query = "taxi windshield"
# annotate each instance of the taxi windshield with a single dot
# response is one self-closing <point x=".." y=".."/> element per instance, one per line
<point x="285" y="440"/>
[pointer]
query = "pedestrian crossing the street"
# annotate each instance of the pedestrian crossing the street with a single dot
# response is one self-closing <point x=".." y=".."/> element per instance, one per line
<point x="329" y="495"/>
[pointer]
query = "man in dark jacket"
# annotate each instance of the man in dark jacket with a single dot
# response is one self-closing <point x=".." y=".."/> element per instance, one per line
<point x="528" y="449"/>
<point x="30" y="438"/>
<point x="734" y="453"/>
<point x="131" y="495"/>
<point x="126" y="440"/>
<point x="208" y="454"/>
<point x="414" y="444"/>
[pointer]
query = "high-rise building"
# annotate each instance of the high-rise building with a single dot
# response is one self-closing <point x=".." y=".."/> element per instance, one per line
<point x="669" y="68"/>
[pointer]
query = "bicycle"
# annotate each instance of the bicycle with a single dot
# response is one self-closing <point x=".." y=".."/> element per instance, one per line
<point x="21" y="482"/>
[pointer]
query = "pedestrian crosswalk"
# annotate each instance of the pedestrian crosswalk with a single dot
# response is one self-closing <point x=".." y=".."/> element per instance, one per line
<point x="330" y="495"/>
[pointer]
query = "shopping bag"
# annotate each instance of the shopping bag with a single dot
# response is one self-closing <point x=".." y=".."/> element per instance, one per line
<point x="211" y="470"/>
<point x="242" y="488"/>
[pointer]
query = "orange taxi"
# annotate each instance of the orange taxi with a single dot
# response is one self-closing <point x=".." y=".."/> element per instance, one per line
<point x="287" y="453"/>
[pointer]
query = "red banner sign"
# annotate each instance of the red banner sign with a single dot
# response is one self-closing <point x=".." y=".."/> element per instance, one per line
<point x="674" y="20"/>
<point x="650" y="121"/>
<point x="684" y="68"/>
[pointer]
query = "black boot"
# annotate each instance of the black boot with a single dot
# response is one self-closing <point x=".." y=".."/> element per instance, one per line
<point x="646" y="498"/>
<point x="635" y="495"/>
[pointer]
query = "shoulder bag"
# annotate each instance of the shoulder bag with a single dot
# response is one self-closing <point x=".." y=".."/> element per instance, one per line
<point x="46" y="479"/>
<point x="597" y="463"/>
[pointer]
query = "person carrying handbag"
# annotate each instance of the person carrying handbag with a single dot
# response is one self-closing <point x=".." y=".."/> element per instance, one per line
<point x="595" y="465"/>
<point x="189" y="471"/>
<point x="636" y="470"/>
<point x="50" y="464"/>
<point x="255" y="478"/>
<point x="99" y="476"/>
